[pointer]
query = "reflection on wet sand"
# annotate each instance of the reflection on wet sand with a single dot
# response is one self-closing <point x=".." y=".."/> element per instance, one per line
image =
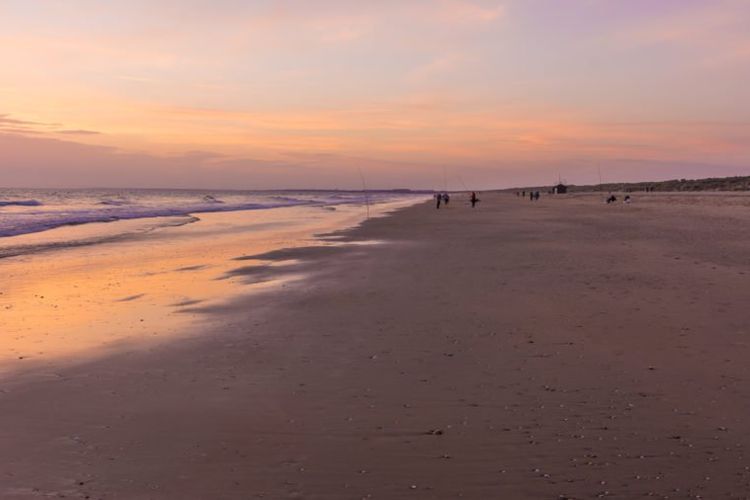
<point x="151" y="286"/>
<point x="285" y="263"/>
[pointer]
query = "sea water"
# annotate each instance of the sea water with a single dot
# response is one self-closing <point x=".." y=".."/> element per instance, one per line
<point x="84" y="272"/>
<point x="113" y="213"/>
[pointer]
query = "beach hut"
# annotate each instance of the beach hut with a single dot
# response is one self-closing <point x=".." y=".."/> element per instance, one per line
<point x="561" y="188"/>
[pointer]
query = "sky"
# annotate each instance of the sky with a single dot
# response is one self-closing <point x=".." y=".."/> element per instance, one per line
<point x="463" y="94"/>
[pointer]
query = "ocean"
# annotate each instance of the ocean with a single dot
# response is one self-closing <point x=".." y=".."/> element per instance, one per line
<point x="127" y="211"/>
<point x="85" y="271"/>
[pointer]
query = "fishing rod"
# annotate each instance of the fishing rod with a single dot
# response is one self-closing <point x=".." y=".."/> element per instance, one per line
<point x="364" y="188"/>
<point x="462" y="183"/>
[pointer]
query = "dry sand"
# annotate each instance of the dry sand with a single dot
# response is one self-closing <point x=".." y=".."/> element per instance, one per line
<point x="557" y="349"/>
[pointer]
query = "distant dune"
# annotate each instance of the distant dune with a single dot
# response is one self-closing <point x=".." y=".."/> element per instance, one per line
<point x="708" y="184"/>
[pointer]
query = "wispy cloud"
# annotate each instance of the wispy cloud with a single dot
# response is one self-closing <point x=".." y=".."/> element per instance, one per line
<point x="437" y="67"/>
<point x="78" y="132"/>
<point x="7" y="120"/>
<point x="20" y="126"/>
<point x="137" y="79"/>
<point x="343" y="29"/>
<point x="461" y="11"/>
<point x="715" y="32"/>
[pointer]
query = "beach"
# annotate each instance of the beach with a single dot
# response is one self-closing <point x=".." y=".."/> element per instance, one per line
<point x="562" y="348"/>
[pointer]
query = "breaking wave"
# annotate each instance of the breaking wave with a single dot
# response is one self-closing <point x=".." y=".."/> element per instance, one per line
<point x="20" y="203"/>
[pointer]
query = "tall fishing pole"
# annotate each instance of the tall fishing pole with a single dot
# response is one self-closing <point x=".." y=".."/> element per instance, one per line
<point x="463" y="183"/>
<point x="364" y="188"/>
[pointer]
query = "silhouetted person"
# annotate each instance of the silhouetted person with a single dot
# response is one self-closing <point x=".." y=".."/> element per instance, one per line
<point x="446" y="199"/>
<point x="473" y="199"/>
<point x="438" y="198"/>
<point x="536" y="195"/>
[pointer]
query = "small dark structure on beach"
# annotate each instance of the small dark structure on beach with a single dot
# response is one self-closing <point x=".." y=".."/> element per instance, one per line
<point x="560" y="189"/>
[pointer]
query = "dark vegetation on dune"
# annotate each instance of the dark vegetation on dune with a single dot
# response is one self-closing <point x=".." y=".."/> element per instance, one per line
<point x="709" y="184"/>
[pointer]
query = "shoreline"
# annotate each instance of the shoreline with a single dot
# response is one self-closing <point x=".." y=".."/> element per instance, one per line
<point x="519" y="350"/>
<point x="85" y="300"/>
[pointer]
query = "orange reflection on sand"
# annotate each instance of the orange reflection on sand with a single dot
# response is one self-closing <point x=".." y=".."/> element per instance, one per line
<point x="141" y="289"/>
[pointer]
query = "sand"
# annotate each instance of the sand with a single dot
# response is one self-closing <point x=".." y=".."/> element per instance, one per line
<point x="557" y="349"/>
<point x="141" y="286"/>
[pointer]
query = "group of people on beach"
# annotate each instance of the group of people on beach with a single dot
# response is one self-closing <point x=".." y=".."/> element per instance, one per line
<point x="533" y="195"/>
<point x="612" y="199"/>
<point x="444" y="198"/>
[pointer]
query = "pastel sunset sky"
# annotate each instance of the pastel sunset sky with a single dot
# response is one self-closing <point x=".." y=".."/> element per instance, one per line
<point x="272" y="94"/>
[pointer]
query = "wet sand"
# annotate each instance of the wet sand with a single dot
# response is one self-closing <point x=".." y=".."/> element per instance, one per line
<point x="557" y="349"/>
<point x="93" y="292"/>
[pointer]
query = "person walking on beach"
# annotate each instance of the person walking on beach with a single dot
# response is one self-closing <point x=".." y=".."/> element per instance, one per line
<point x="446" y="199"/>
<point x="473" y="199"/>
<point x="438" y="198"/>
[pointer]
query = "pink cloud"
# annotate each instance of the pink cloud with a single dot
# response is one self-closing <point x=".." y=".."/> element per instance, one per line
<point x="438" y="66"/>
<point x="716" y="32"/>
<point x="460" y="11"/>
